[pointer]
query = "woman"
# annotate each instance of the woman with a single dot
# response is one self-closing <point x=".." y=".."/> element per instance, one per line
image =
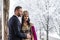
<point x="27" y="27"/>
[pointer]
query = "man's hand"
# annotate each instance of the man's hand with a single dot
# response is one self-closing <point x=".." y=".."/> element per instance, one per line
<point x="28" y="36"/>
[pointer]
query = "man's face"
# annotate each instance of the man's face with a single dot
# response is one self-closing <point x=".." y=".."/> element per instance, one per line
<point x="20" y="12"/>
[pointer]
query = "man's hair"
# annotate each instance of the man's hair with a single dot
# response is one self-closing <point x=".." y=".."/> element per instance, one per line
<point x="18" y="7"/>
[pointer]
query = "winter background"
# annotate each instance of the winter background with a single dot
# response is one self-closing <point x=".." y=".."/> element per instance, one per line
<point x="0" y="20"/>
<point x="42" y="13"/>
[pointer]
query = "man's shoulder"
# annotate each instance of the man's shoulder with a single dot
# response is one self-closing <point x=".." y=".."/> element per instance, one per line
<point x="13" y="18"/>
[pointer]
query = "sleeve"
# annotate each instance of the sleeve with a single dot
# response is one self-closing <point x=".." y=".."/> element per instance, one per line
<point x="34" y="32"/>
<point x="17" y="31"/>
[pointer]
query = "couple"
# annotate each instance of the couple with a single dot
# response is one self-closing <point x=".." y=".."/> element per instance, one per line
<point x="21" y="30"/>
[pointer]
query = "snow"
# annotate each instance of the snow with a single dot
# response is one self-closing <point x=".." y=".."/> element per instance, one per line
<point x="39" y="11"/>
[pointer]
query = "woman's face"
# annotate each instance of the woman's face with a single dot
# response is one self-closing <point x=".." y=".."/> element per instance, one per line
<point x="26" y="16"/>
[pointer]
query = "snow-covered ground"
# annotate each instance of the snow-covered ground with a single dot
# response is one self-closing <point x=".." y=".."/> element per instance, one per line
<point x="39" y="12"/>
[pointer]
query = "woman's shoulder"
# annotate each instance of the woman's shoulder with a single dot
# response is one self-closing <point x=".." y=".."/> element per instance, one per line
<point x="31" y="24"/>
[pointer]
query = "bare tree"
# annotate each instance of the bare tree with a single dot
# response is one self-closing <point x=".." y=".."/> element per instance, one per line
<point x="6" y="15"/>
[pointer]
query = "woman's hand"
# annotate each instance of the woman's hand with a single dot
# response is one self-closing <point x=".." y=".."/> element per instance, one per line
<point x="32" y="37"/>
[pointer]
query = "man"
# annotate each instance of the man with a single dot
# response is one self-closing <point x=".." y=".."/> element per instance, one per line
<point x="15" y="26"/>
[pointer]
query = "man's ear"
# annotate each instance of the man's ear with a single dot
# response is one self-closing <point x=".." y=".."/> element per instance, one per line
<point x="16" y="11"/>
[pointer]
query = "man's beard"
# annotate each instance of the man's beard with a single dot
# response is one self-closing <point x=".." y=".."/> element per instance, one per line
<point x="19" y="15"/>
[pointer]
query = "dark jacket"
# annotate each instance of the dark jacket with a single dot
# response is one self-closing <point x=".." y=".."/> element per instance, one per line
<point x="14" y="29"/>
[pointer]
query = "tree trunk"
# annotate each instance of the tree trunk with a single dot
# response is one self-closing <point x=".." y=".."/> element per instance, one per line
<point x="6" y="16"/>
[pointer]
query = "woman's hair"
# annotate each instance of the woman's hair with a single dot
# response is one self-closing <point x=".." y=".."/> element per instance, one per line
<point x="28" y="21"/>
